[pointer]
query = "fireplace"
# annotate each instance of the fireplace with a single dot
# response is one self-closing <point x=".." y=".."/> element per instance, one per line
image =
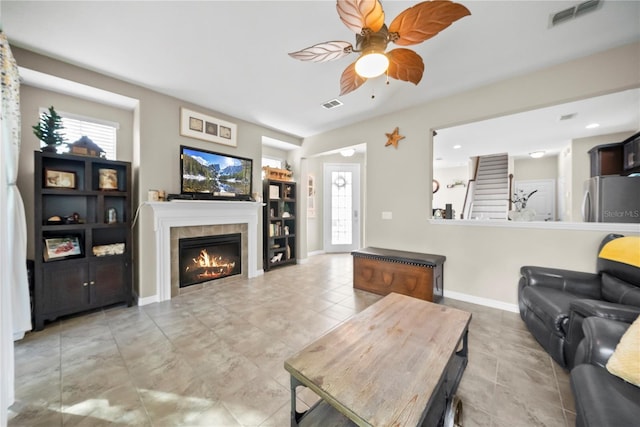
<point x="180" y="219"/>
<point x="206" y="258"/>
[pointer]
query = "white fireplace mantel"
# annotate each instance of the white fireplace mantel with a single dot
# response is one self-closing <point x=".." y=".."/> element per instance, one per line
<point x="184" y="213"/>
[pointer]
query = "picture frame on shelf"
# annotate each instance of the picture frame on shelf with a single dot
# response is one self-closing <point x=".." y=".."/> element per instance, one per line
<point x="274" y="192"/>
<point x="107" y="179"/>
<point x="207" y="128"/>
<point x="54" y="178"/>
<point x="58" y="248"/>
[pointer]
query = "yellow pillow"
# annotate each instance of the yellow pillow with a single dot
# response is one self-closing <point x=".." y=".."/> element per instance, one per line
<point x="625" y="360"/>
<point x="625" y="250"/>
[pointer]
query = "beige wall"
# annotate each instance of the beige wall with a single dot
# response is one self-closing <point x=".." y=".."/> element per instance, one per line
<point x="481" y="261"/>
<point x="543" y="168"/>
<point x="155" y="147"/>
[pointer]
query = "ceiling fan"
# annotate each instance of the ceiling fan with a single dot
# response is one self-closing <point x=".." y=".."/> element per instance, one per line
<point x="366" y="18"/>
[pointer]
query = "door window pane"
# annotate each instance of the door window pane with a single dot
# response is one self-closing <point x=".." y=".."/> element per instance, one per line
<point x="341" y="208"/>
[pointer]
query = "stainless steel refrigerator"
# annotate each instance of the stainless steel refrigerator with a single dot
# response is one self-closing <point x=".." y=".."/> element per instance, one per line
<point x="611" y="199"/>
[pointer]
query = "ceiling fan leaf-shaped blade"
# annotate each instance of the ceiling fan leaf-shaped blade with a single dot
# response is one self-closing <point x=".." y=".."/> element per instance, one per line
<point x="359" y="14"/>
<point x="323" y="52"/>
<point x="405" y="65"/>
<point x="424" y="20"/>
<point x="350" y="80"/>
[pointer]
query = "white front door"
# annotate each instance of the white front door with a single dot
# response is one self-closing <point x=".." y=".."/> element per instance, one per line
<point x="543" y="201"/>
<point x="341" y="207"/>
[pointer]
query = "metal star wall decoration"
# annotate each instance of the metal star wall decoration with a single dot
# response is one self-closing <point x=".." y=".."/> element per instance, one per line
<point x="393" y="138"/>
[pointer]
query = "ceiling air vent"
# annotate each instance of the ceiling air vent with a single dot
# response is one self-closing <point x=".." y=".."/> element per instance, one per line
<point x="563" y="15"/>
<point x="574" y="12"/>
<point x="587" y="6"/>
<point x="332" y="104"/>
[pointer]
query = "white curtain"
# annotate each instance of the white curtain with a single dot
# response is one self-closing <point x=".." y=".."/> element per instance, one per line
<point x="15" y="306"/>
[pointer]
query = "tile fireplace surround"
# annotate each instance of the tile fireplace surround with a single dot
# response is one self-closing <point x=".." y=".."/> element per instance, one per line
<point x="193" y="218"/>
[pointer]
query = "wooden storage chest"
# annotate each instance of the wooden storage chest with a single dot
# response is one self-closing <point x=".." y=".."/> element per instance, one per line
<point x="383" y="271"/>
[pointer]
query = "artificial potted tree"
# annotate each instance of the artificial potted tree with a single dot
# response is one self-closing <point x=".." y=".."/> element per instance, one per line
<point x="48" y="130"/>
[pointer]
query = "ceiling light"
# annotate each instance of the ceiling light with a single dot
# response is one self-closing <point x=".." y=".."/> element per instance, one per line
<point x="593" y="125"/>
<point x="455" y="147"/>
<point x="537" y="154"/>
<point x="348" y="152"/>
<point x="372" y="65"/>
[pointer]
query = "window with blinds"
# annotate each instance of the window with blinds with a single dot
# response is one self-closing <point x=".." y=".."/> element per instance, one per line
<point x="101" y="132"/>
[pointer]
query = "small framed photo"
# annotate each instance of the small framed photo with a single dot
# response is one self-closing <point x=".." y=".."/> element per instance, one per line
<point x="274" y="192"/>
<point x="225" y="132"/>
<point x="107" y="179"/>
<point x="59" y="179"/>
<point x="211" y="128"/>
<point x="57" y="248"/>
<point x="195" y="124"/>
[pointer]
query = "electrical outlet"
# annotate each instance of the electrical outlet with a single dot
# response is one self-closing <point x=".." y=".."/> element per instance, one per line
<point x="387" y="215"/>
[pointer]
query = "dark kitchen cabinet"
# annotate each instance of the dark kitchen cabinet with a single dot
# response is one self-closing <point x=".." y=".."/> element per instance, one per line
<point x="632" y="154"/>
<point x="607" y="159"/>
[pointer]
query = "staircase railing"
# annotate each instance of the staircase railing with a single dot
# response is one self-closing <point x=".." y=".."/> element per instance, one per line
<point x="510" y="191"/>
<point x="468" y="197"/>
<point x="466" y="207"/>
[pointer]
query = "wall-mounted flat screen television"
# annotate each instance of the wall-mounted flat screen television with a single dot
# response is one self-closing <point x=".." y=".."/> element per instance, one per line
<point x="209" y="175"/>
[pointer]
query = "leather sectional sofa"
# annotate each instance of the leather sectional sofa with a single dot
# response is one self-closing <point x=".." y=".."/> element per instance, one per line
<point x="579" y="319"/>
<point x="602" y="399"/>
<point x="554" y="302"/>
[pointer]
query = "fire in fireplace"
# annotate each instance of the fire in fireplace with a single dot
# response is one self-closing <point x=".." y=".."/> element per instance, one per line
<point x="201" y="259"/>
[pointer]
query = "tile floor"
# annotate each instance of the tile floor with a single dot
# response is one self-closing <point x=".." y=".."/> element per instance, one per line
<point x="214" y="357"/>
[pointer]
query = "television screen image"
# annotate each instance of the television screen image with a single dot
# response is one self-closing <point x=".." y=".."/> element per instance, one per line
<point x="215" y="174"/>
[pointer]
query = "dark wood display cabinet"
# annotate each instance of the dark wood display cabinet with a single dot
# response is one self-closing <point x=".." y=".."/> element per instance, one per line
<point x="83" y="241"/>
<point x="607" y="159"/>
<point x="631" y="148"/>
<point x="279" y="223"/>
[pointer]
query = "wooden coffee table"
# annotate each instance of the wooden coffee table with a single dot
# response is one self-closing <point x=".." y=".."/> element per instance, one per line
<point x="397" y="363"/>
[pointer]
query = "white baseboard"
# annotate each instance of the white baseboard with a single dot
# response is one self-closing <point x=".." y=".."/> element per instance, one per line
<point x="314" y="253"/>
<point x="482" y="301"/>
<point x="148" y="300"/>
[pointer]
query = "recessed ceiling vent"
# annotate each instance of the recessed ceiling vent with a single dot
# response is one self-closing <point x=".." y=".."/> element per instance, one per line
<point x="332" y="104"/>
<point x="574" y="12"/>
<point x="567" y="117"/>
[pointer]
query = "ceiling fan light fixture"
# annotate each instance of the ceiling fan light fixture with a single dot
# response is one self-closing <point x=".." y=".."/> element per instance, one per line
<point x="372" y="64"/>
